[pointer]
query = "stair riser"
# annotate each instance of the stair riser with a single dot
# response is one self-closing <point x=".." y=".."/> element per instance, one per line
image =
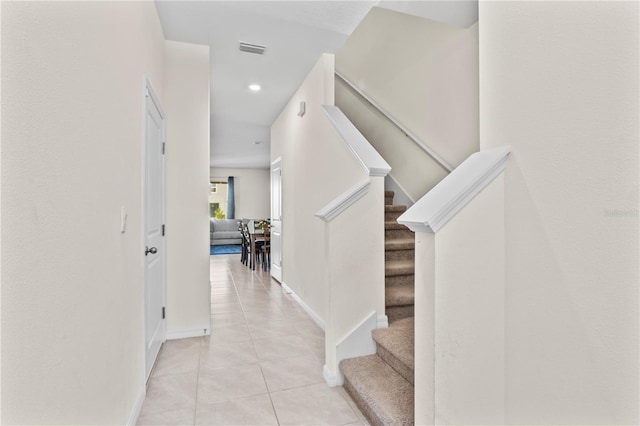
<point x="398" y="233"/>
<point x="388" y="201"/>
<point x="399" y="280"/>
<point x="398" y="312"/>
<point x="399" y="254"/>
<point x="402" y="369"/>
<point x="392" y="216"/>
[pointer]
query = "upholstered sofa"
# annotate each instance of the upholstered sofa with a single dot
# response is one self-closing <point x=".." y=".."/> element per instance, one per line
<point x="224" y="231"/>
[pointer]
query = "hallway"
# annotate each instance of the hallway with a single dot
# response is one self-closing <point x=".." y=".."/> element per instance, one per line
<point x="262" y="364"/>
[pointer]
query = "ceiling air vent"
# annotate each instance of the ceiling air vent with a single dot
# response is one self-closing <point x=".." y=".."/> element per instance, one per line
<point x="252" y="48"/>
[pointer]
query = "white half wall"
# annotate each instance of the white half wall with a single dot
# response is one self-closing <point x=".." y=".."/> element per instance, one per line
<point x="187" y="166"/>
<point x="469" y="313"/>
<point x="559" y="82"/>
<point x="252" y="191"/>
<point x="316" y="168"/>
<point x="72" y="131"/>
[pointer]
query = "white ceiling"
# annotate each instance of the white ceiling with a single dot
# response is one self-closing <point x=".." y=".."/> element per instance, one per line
<point x="296" y="33"/>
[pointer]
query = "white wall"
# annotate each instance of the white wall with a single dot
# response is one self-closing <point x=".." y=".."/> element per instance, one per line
<point x="424" y="74"/>
<point x="469" y="313"/>
<point x="72" y="102"/>
<point x="319" y="257"/>
<point x="187" y="163"/>
<point x="559" y="83"/>
<point x="316" y="168"/>
<point x="252" y="191"/>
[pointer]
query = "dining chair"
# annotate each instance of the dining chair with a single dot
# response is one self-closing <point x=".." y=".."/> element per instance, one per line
<point x="244" y="253"/>
<point x="266" y="247"/>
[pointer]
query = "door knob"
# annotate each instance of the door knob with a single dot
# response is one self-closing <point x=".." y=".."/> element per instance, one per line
<point x="151" y="250"/>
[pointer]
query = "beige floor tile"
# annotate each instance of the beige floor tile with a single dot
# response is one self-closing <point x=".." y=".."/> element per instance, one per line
<point x="270" y="329"/>
<point x="178" y="356"/>
<point x="169" y="393"/>
<point x="312" y="405"/>
<point x="169" y="418"/>
<point x="287" y="373"/>
<point x="226" y="319"/>
<point x="280" y="347"/>
<point x="262" y="341"/>
<point x="260" y="316"/>
<point x="224" y="307"/>
<point x="231" y="298"/>
<point x="253" y="410"/>
<point x="308" y="328"/>
<point x="230" y="333"/>
<point x="352" y="404"/>
<point x="222" y="384"/>
<point x="223" y="354"/>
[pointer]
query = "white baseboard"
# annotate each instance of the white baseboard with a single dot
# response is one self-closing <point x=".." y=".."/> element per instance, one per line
<point x="358" y="342"/>
<point x="332" y="379"/>
<point x="383" y="321"/>
<point x="137" y="406"/>
<point x="185" y="333"/>
<point x="316" y="318"/>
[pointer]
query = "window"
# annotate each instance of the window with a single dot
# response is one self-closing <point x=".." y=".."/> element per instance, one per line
<point x="217" y="199"/>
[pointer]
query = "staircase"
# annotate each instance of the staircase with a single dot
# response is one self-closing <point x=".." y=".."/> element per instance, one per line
<point x="382" y="384"/>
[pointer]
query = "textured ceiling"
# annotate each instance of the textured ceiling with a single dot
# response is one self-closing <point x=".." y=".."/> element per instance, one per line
<point x="296" y="33"/>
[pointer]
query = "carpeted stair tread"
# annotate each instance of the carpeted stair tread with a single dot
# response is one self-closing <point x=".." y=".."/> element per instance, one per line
<point x="396" y="346"/>
<point x="399" y="244"/>
<point x="399" y="295"/>
<point x="395" y="208"/>
<point x="398" y="267"/>
<point x="384" y="396"/>
<point x="392" y="224"/>
<point x="396" y="313"/>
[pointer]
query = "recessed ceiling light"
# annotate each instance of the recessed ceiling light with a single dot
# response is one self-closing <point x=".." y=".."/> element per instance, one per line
<point x="254" y="87"/>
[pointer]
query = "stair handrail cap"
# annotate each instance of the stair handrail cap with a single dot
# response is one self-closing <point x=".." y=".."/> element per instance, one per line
<point x="438" y="206"/>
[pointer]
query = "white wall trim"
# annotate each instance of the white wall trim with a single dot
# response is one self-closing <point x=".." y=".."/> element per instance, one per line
<point x="315" y="317"/>
<point x="433" y="211"/>
<point x="331" y="379"/>
<point x="371" y="161"/>
<point x="382" y="322"/>
<point x="343" y="201"/>
<point x="137" y="406"/>
<point x="357" y="342"/>
<point x="191" y="332"/>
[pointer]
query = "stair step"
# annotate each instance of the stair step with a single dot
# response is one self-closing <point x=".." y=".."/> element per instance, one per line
<point x="393" y="212"/>
<point x="393" y="229"/>
<point x="396" y="346"/>
<point x="399" y="295"/>
<point x="383" y="395"/>
<point x="400" y="244"/>
<point x="398" y="267"/>
<point x="397" y="313"/>
<point x="388" y="197"/>
<point x="398" y="280"/>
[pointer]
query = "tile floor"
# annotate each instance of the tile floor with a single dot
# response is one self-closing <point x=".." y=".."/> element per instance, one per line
<point x="262" y="364"/>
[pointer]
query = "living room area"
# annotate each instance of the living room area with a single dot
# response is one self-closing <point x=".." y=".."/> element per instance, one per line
<point x="236" y="195"/>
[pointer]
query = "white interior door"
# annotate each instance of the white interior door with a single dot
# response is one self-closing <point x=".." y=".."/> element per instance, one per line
<point x="154" y="247"/>
<point x="276" y="220"/>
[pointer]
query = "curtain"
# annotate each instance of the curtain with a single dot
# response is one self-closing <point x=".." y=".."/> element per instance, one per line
<point x="231" y="199"/>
